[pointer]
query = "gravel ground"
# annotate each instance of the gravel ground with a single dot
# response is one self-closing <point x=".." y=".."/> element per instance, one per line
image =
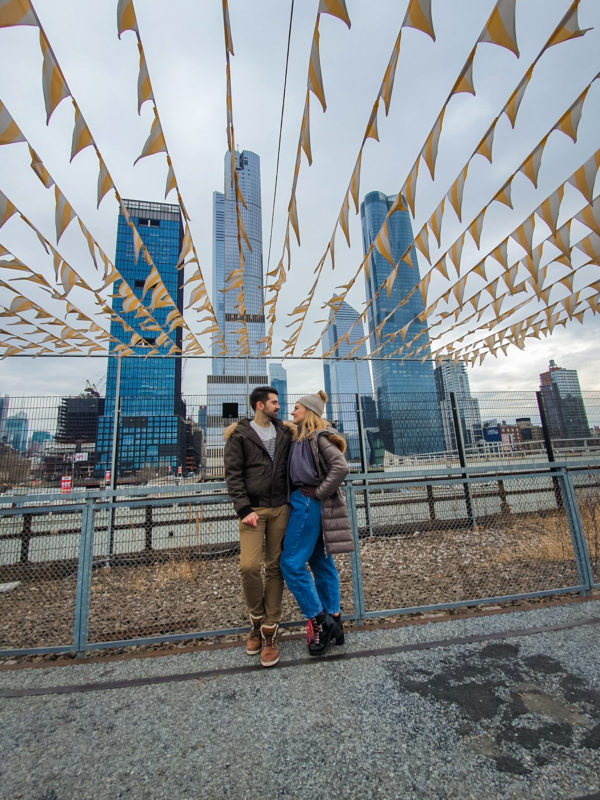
<point x="195" y="595"/>
<point x="509" y="717"/>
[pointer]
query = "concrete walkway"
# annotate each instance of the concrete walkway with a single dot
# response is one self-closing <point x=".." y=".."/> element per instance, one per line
<point x="497" y="706"/>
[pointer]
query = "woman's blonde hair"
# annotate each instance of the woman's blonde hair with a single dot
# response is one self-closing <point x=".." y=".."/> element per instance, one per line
<point x="312" y="422"/>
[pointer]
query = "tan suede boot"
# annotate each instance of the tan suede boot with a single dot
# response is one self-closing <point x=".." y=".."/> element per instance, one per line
<point x="269" y="655"/>
<point x="254" y="639"/>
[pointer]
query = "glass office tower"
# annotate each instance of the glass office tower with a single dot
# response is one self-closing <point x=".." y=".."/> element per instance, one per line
<point x="232" y="379"/>
<point x="341" y="376"/>
<point x="409" y="413"/>
<point x="451" y="377"/>
<point x="563" y="403"/>
<point x="278" y="380"/>
<point x="151" y="430"/>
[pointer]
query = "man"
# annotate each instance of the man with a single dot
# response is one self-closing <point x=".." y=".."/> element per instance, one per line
<point x="256" y="455"/>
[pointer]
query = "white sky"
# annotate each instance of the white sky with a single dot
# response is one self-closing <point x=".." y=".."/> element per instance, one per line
<point x="183" y="42"/>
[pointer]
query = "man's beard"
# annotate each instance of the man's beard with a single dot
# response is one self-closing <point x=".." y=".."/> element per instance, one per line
<point x="271" y="414"/>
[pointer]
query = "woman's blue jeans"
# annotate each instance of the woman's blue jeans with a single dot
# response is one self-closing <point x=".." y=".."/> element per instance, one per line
<point x="303" y="543"/>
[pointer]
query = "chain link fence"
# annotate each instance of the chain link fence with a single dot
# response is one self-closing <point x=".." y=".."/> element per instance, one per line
<point x="150" y="564"/>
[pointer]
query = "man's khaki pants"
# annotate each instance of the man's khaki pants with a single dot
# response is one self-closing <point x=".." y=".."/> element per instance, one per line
<point x="263" y="600"/>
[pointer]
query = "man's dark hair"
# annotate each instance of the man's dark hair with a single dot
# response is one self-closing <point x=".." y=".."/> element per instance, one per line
<point x="261" y="395"/>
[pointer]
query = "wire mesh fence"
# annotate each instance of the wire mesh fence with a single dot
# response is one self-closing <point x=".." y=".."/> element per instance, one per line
<point x="150" y="564"/>
<point x="93" y="442"/>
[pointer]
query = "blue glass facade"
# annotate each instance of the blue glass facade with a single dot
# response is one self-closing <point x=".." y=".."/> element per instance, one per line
<point x="232" y="379"/>
<point x="278" y="380"/>
<point x="409" y="413"/>
<point x="341" y="384"/>
<point x="151" y="430"/>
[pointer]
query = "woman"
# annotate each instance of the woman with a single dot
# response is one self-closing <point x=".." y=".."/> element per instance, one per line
<point x="318" y="525"/>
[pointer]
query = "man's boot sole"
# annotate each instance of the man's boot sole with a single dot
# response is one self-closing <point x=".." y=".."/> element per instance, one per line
<point x="270" y="663"/>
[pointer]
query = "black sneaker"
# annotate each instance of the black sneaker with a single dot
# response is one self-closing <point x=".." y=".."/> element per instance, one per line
<point x="325" y="628"/>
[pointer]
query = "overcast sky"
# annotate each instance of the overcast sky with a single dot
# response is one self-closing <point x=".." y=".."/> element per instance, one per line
<point x="183" y="42"/>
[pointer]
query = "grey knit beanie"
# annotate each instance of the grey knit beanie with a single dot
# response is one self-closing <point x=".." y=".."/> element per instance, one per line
<point x="314" y="402"/>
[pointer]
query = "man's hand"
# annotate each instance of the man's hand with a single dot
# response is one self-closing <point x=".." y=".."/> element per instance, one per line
<point x="309" y="491"/>
<point x="251" y="519"/>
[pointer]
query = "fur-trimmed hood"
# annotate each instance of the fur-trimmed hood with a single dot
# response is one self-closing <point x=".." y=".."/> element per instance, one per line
<point x="229" y="430"/>
<point x="335" y="438"/>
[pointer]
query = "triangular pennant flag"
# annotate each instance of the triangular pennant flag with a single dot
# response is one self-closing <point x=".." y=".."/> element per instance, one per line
<point x="227" y="30"/>
<point x="422" y="243"/>
<point x="585" y="177"/>
<point x="371" y="131"/>
<point x="155" y="143"/>
<point x="418" y="15"/>
<point x="9" y="130"/>
<point x="81" y="134"/>
<point x="355" y="181"/>
<point x="382" y="243"/>
<point x="568" y="27"/>
<point x="531" y="166"/>
<point x="343" y="217"/>
<point x="523" y="235"/>
<point x="171" y="182"/>
<point x="37" y="165"/>
<point x="143" y="86"/>
<point x="435" y="221"/>
<point x="503" y="195"/>
<point x="337" y="8"/>
<point x="305" y="130"/>
<point x="511" y="109"/>
<point x="590" y="216"/>
<point x="550" y="208"/>
<point x="387" y="84"/>
<point x="315" y="79"/>
<point x="569" y="122"/>
<point x="104" y="180"/>
<point x="54" y="87"/>
<point x="126" y="20"/>
<point x="16" y="12"/>
<point x="484" y="148"/>
<point x="500" y="27"/>
<point x="464" y="82"/>
<point x="430" y="148"/>
<point x="63" y="213"/>
<point x="455" y="195"/>
<point x="455" y="253"/>
<point x="476" y="226"/>
<point x="410" y="186"/>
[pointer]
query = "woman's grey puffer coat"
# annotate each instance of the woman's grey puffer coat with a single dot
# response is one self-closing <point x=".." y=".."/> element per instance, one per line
<point x="328" y="448"/>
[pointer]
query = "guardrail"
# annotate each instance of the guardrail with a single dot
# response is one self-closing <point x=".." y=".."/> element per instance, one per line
<point x="151" y="564"/>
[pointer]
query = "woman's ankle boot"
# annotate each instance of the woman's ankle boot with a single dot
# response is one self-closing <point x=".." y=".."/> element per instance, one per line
<point x="338" y="618"/>
<point x="325" y="629"/>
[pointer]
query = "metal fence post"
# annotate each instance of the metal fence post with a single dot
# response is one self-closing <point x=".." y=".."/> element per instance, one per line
<point x="363" y="448"/>
<point x="460" y="446"/>
<point x="548" y="445"/>
<point x="84" y="577"/>
<point x="113" y="461"/>
<point x="580" y="549"/>
<point x="355" y="561"/>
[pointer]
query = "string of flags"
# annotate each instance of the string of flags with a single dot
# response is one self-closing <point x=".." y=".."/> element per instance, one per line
<point x="514" y="291"/>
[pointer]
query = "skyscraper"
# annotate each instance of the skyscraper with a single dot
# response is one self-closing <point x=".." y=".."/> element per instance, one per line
<point x="278" y="380"/>
<point x="341" y="375"/>
<point x="151" y="429"/>
<point x="563" y="403"/>
<point x="451" y="377"/>
<point x="409" y="414"/>
<point x="4" y="404"/>
<point x="233" y="379"/>
<point x="17" y="430"/>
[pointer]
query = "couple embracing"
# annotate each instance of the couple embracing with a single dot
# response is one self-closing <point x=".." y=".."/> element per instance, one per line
<point x="284" y="481"/>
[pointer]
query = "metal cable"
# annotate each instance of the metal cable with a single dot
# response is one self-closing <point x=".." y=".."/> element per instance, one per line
<point x="287" y="59"/>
